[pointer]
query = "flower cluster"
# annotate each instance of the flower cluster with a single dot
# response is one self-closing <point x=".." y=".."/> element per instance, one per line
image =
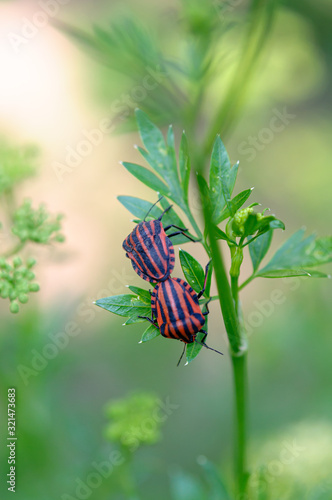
<point x="16" y="281"/>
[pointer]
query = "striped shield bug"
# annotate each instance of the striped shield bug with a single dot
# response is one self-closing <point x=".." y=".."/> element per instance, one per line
<point x="150" y="249"/>
<point x="176" y="311"/>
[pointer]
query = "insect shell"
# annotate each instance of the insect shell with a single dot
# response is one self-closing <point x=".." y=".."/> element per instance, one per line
<point x="176" y="310"/>
<point x="150" y="250"/>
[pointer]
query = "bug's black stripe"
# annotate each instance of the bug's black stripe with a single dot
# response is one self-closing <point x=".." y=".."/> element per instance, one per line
<point x="155" y="259"/>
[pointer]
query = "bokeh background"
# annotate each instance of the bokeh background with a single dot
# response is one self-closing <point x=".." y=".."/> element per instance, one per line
<point x="52" y="91"/>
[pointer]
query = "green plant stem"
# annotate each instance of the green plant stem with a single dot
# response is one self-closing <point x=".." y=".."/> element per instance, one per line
<point x="246" y="282"/>
<point x="13" y="250"/>
<point x="239" y="364"/>
<point x="261" y="13"/>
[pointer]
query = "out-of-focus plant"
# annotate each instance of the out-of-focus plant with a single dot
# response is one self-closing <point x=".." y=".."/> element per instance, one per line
<point x="23" y="224"/>
<point x="134" y="421"/>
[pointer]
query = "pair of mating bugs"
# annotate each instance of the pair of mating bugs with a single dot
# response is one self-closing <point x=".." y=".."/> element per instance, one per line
<point x="175" y="307"/>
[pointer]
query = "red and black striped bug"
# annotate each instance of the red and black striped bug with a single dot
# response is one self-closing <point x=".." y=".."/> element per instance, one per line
<point x="150" y="249"/>
<point x="176" y="311"/>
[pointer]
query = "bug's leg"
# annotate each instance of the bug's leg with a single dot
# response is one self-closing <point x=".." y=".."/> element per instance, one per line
<point x="205" y="280"/>
<point x="207" y="308"/>
<point x="151" y="320"/>
<point x="181" y="230"/>
<point x="184" y="348"/>
<point x="204" y="344"/>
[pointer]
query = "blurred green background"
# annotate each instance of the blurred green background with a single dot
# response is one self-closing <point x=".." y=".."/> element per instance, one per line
<point x="53" y="93"/>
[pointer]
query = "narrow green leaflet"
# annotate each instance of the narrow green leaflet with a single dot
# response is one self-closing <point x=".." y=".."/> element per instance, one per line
<point x="124" y="305"/>
<point x="217" y="490"/>
<point x="184" y="165"/>
<point x="220" y="168"/>
<point x="150" y="333"/>
<point x="144" y="295"/>
<point x="236" y="203"/>
<point x="160" y="156"/>
<point x="192" y="271"/>
<point x="184" y="486"/>
<point x="171" y="217"/>
<point x="297" y="254"/>
<point x="153" y="141"/>
<point x="259" y="247"/>
<point x="147" y="177"/>
<point x="139" y="208"/>
<point x="221" y="235"/>
<point x="193" y="350"/>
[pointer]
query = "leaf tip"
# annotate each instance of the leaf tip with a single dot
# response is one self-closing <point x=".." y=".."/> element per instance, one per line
<point x="94" y="302"/>
<point x="186" y="363"/>
<point x="140" y="342"/>
<point x="252" y="188"/>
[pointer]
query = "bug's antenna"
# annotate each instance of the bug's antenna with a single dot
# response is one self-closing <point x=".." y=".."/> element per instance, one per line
<point x="152" y="206"/>
<point x="184" y="348"/>
<point x="204" y="344"/>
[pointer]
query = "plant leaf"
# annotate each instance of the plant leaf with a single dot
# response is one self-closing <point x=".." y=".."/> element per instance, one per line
<point x="153" y="141"/>
<point x="139" y="208"/>
<point x="218" y="490"/>
<point x="298" y="253"/>
<point x="144" y="295"/>
<point x="150" y="333"/>
<point x="184" y="165"/>
<point x="171" y="217"/>
<point x="220" y="168"/>
<point x="147" y="177"/>
<point x="236" y="203"/>
<point x="221" y="235"/>
<point x="192" y="271"/>
<point x="193" y="349"/>
<point x="161" y="157"/>
<point x="259" y="247"/>
<point x="124" y="305"/>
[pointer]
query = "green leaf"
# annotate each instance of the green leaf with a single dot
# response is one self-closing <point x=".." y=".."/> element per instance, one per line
<point x="259" y="247"/>
<point x="153" y="140"/>
<point x="232" y="176"/>
<point x="193" y="349"/>
<point x="236" y="203"/>
<point x="171" y="217"/>
<point x="144" y="295"/>
<point x="147" y="177"/>
<point x="220" y="168"/>
<point x="184" y="165"/>
<point x="161" y="157"/>
<point x="218" y="490"/>
<point x="184" y="486"/>
<point x="124" y="305"/>
<point x="150" y="333"/>
<point x="298" y="253"/>
<point x="221" y="235"/>
<point x="139" y="208"/>
<point x="282" y="273"/>
<point x="192" y="271"/>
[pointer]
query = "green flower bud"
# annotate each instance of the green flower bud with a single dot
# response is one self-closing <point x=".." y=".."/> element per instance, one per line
<point x="14" y="307"/>
<point x="23" y="298"/>
<point x="34" y="287"/>
<point x="17" y="262"/>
